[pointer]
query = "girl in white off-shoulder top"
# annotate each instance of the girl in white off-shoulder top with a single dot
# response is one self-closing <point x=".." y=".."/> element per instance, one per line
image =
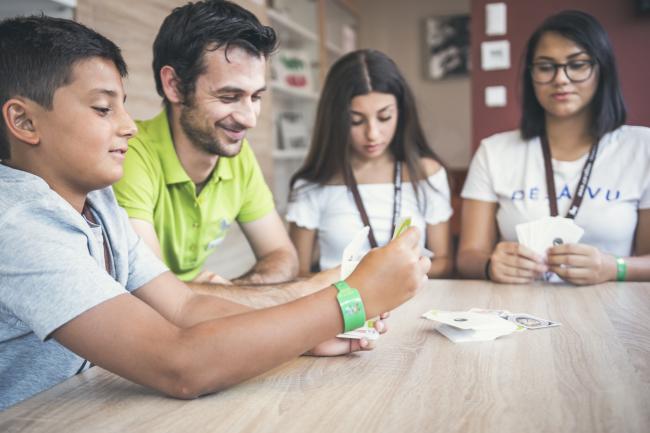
<point x="368" y="138"/>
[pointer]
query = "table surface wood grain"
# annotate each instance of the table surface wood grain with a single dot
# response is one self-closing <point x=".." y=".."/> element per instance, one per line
<point x="592" y="374"/>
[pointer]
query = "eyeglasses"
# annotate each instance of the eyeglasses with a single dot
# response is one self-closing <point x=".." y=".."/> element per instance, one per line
<point x="576" y="71"/>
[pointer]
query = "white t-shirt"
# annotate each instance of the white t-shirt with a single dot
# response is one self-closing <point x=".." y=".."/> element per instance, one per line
<point x="510" y="171"/>
<point x="330" y="209"/>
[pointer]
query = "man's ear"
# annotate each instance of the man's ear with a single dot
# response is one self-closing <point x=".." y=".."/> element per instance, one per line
<point x="17" y="115"/>
<point x="170" y="84"/>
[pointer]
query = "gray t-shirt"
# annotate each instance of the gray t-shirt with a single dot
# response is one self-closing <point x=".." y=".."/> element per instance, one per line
<point x="52" y="270"/>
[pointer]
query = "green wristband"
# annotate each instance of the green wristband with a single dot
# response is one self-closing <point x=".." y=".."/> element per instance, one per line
<point x="621" y="269"/>
<point x="354" y="315"/>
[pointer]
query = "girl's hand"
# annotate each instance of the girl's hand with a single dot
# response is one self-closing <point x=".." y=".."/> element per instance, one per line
<point x="581" y="264"/>
<point x="513" y="263"/>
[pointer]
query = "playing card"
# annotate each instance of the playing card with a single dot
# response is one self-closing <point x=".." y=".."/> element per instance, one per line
<point x="529" y="321"/>
<point x="369" y="333"/>
<point x="352" y="253"/>
<point x="402" y="224"/>
<point x="546" y="232"/>
<point x="469" y="320"/>
<point x="458" y="335"/>
<point x="475" y="325"/>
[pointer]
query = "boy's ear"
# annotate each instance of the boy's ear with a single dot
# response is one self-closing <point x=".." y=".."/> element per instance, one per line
<point x="19" y="121"/>
<point x="170" y="84"/>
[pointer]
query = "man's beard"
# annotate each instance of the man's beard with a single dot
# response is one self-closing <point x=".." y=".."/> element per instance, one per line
<point x="204" y="137"/>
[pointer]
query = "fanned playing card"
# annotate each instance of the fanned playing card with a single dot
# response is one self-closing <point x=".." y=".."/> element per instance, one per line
<point x="546" y="232"/>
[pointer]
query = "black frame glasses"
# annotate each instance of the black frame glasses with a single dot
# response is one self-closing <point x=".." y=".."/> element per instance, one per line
<point x="567" y="67"/>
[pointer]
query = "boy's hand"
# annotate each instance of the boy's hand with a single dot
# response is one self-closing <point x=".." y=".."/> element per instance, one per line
<point x="343" y="346"/>
<point x="581" y="264"/>
<point x="514" y="263"/>
<point x="390" y="275"/>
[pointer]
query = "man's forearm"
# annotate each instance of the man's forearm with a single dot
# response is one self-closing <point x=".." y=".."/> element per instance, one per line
<point x="266" y="295"/>
<point x="278" y="266"/>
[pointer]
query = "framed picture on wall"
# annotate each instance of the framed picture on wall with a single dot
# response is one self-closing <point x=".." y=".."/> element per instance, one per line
<point x="447" y="46"/>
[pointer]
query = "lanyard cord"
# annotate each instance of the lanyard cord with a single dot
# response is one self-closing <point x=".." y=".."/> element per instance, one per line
<point x="397" y="202"/>
<point x="582" y="185"/>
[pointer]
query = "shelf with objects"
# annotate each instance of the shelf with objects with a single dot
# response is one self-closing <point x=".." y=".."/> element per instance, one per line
<point x="294" y="86"/>
<point x="52" y="8"/>
<point x="309" y="42"/>
<point x="339" y="29"/>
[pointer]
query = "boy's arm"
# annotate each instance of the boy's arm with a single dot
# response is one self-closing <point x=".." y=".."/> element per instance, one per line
<point x="142" y="343"/>
<point x="277" y="259"/>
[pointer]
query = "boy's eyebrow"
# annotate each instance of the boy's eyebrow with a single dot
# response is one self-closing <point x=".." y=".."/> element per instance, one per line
<point x="108" y="92"/>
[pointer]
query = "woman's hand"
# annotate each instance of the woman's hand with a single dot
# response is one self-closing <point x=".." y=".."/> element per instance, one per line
<point x="343" y="346"/>
<point x="581" y="264"/>
<point x="513" y="263"/>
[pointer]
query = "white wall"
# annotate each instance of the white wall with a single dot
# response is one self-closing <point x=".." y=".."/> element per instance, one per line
<point x="396" y="27"/>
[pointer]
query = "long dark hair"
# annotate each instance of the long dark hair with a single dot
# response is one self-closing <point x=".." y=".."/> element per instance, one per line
<point x="359" y="73"/>
<point x="607" y="105"/>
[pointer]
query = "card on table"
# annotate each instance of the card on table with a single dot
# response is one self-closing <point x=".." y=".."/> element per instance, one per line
<point x="529" y="321"/>
<point x="367" y="332"/>
<point x="464" y="326"/>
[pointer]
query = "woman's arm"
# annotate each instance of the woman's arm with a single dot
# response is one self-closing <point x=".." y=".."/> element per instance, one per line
<point x="477" y="237"/>
<point x="439" y="242"/>
<point x="304" y="240"/>
<point x="510" y="262"/>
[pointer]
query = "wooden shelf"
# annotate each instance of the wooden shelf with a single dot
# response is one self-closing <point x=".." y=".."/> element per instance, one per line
<point x="287" y="23"/>
<point x="293" y="92"/>
<point x="334" y="49"/>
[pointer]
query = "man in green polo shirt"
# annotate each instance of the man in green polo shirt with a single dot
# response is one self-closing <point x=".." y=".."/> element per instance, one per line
<point x="190" y="173"/>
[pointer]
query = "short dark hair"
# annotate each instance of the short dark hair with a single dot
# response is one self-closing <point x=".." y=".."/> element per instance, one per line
<point x="191" y="30"/>
<point x="607" y="105"/>
<point x="37" y="54"/>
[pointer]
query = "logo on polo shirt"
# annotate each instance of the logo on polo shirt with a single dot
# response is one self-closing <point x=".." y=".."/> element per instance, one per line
<point x="224" y="225"/>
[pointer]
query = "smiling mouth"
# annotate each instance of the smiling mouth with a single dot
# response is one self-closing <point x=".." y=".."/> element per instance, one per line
<point x="235" y="134"/>
<point x="121" y="151"/>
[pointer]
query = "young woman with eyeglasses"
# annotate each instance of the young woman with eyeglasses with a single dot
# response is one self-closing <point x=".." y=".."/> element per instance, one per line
<point x="368" y="165"/>
<point x="572" y="141"/>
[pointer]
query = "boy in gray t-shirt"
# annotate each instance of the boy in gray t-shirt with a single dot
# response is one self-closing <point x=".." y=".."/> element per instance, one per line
<point x="76" y="283"/>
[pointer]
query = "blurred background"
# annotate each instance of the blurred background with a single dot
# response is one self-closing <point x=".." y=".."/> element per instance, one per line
<point x="462" y="59"/>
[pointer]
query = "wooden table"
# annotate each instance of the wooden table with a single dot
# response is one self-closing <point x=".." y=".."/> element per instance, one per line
<point x="592" y="374"/>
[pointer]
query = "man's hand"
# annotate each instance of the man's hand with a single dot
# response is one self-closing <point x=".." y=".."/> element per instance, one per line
<point x="277" y="260"/>
<point x="581" y="264"/>
<point x="514" y="263"/>
<point x="343" y="346"/>
<point x="211" y="278"/>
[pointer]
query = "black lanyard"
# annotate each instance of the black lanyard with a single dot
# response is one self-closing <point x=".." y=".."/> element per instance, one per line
<point x="582" y="185"/>
<point x="397" y="202"/>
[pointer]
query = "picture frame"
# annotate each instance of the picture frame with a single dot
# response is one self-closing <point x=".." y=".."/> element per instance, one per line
<point x="447" y="40"/>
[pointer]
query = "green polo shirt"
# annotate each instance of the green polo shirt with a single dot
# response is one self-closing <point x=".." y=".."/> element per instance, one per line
<point x="156" y="188"/>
